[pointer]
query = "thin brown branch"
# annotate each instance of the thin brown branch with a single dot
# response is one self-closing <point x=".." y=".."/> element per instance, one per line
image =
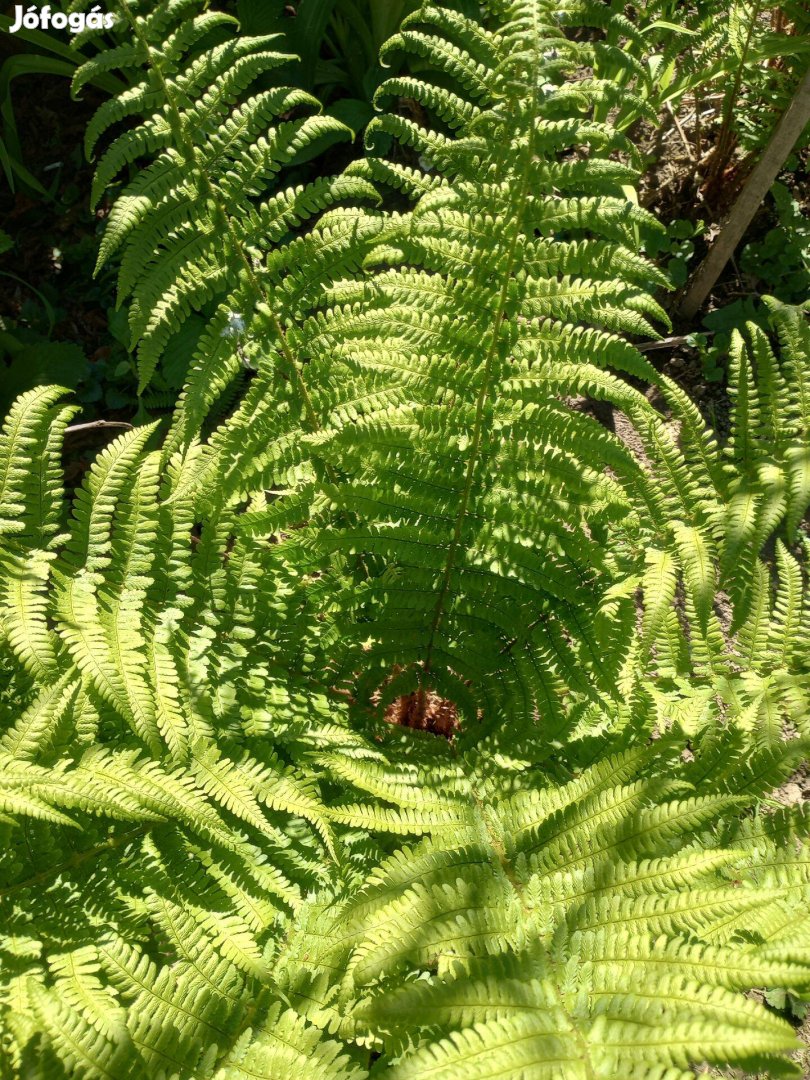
<point x="666" y="343"/>
<point x="98" y="425"/>
<point x="681" y="132"/>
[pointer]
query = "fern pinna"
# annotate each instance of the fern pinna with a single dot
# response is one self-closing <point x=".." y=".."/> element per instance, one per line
<point x="220" y="860"/>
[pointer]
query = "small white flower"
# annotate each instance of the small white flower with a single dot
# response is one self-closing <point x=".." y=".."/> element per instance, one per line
<point x="425" y="165"/>
<point x="235" y="326"/>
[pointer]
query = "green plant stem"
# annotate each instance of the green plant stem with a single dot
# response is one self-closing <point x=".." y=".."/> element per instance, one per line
<point x="478" y="427"/>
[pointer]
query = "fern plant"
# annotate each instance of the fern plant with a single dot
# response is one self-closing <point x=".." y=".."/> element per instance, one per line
<point x="220" y="860"/>
<point x="550" y="935"/>
<point x="430" y="382"/>
<point x="205" y="876"/>
<point x="188" y="228"/>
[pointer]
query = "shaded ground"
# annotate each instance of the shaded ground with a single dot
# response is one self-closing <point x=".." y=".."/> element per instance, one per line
<point x="55" y="239"/>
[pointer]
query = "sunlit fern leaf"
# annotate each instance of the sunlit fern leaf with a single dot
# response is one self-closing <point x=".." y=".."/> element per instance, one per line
<point x="217" y="145"/>
<point x="575" y="968"/>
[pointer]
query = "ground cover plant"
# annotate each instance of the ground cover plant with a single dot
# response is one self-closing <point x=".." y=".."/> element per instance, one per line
<point x="424" y="691"/>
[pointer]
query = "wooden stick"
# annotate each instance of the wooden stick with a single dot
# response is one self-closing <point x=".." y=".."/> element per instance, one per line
<point x="664" y="343"/>
<point x="668" y="342"/>
<point x="98" y="425"/>
<point x="681" y="132"/>
<point x="787" y="131"/>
